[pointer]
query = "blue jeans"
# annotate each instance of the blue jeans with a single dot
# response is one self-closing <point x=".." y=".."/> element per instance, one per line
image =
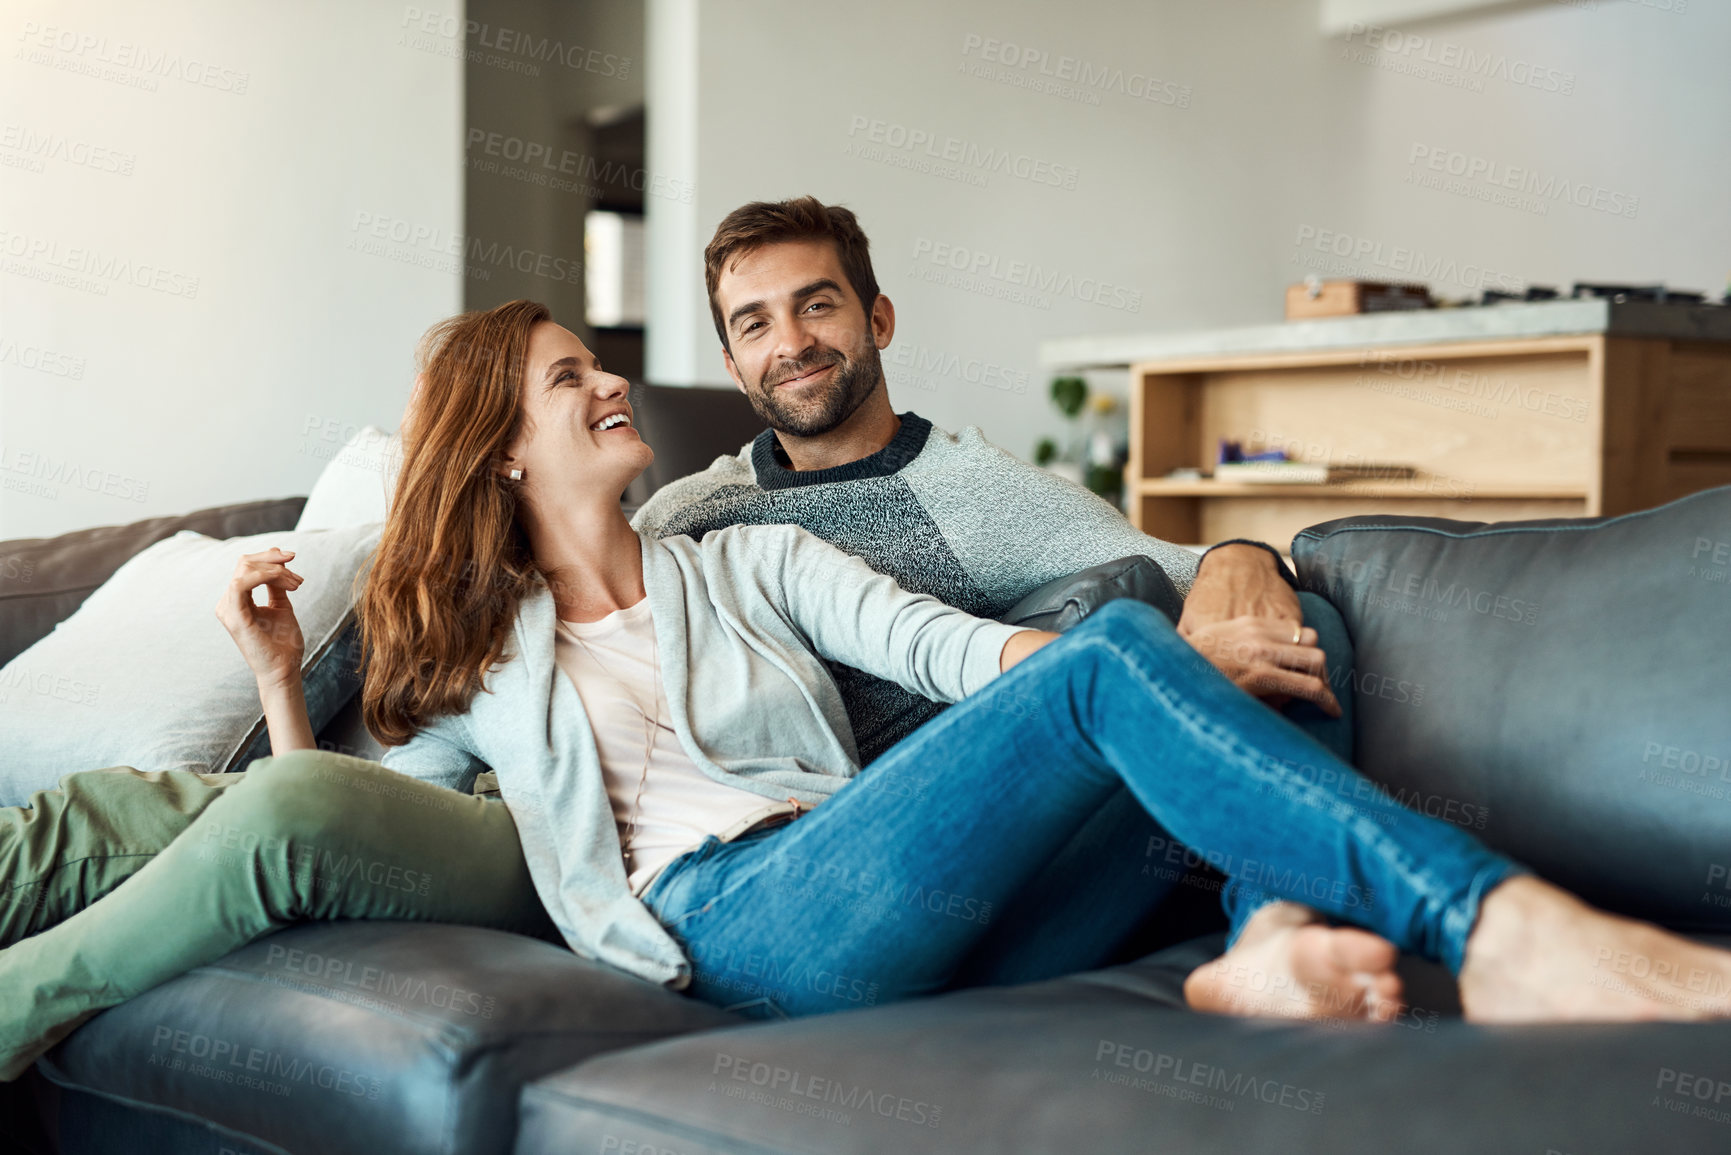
<point x="886" y="890"/>
<point x="1064" y="921"/>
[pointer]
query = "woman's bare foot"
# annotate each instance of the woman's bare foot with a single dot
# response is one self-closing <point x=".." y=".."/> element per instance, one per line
<point x="1290" y="964"/>
<point x="1539" y="953"/>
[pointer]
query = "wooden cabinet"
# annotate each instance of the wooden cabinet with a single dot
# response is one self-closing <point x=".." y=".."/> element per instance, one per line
<point x="1527" y="427"/>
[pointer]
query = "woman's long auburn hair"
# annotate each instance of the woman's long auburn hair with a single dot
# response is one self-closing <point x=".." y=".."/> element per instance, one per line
<point x="452" y="564"/>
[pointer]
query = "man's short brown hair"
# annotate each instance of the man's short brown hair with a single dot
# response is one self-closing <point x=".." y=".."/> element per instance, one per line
<point x="760" y="223"/>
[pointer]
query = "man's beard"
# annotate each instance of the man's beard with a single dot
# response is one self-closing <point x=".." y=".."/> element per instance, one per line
<point x="824" y="405"/>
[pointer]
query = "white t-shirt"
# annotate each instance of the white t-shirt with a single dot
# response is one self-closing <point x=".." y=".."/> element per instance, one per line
<point x="679" y="804"/>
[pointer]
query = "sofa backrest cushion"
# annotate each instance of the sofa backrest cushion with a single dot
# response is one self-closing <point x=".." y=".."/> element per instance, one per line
<point x="1557" y="687"/>
<point x="43" y="579"/>
<point x="688" y="427"/>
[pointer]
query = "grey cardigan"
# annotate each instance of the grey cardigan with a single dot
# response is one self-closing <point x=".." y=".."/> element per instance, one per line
<point x="741" y="619"/>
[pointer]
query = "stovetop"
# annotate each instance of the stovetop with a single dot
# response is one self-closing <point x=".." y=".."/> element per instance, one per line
<point x="1616" y="294"/>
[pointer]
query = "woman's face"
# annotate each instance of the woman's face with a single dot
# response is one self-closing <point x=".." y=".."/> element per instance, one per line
<point x="559" y="449"/>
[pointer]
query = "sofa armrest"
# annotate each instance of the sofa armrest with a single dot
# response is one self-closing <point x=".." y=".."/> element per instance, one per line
<point x="1064" y="602"/>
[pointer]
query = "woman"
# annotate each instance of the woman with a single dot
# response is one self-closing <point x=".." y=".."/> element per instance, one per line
<point x="678" y="768"/>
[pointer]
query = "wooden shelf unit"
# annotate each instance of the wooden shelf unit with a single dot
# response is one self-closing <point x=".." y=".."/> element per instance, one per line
<point x="1499" y="430"/>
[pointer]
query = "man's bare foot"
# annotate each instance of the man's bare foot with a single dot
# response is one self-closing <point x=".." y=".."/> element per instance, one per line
<point x="1538" y="953"/>
<point x="1290" y="964"/>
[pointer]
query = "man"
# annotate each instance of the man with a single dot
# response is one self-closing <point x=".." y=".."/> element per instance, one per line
<point x="802" y="324"/>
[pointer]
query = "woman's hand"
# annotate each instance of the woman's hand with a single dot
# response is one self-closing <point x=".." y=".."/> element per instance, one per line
<point x="1023" y="645"/>
<point x="269" y="637"/>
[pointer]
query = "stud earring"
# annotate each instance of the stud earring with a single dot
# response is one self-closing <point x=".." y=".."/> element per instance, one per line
<point x="516" y="475"/>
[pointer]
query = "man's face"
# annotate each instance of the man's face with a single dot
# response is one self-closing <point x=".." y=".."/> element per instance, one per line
<point x="802" y="347"/>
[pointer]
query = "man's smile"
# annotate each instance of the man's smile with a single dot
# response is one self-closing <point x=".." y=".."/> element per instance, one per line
<point x="806" y="377"/>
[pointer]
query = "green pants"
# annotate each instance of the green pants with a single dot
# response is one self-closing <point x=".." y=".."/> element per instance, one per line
<point x="121" y="880"/>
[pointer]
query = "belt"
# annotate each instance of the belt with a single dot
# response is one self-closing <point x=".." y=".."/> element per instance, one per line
<point x="780" y="814"/>
<point x="777" y="814"/>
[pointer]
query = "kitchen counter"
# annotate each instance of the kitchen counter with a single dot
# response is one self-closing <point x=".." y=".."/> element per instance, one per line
<point x="1413" y="327"/>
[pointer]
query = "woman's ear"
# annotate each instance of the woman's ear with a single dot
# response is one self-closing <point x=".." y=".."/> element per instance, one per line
<point x="506" y="462"/>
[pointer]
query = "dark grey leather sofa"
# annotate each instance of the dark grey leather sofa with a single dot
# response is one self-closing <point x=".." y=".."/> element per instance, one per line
<point x="1558" y="687"/>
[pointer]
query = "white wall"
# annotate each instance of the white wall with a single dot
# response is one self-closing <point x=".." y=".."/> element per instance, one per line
<point x="674" y="233"/>
<point x="218" y="310"/>
<point x="1264" y="138"/>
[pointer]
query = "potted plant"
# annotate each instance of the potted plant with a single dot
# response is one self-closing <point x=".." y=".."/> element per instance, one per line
<point x="1093" y="456"/>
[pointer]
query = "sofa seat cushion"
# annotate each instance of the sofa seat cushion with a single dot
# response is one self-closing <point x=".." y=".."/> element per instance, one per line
<point x="1554" y="687"/>
<point x="362" y="1038"/>
<point x="1110" y="1061"/>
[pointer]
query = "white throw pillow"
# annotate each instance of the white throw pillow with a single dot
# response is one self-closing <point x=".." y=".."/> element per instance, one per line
<point x="144" y="675"/>
<point x="355" y="486"/>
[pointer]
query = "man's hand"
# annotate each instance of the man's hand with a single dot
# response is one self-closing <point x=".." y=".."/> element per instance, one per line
<point x="1241" y="584"/>
<point x="1263" y="660"/>
<point x="1237" y="581"/>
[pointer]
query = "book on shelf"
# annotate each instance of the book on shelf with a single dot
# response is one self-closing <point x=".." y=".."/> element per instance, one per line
<point x="1308" y="472"/>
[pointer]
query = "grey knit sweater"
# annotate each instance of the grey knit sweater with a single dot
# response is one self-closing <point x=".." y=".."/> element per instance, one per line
<point x="945" y="514"/>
